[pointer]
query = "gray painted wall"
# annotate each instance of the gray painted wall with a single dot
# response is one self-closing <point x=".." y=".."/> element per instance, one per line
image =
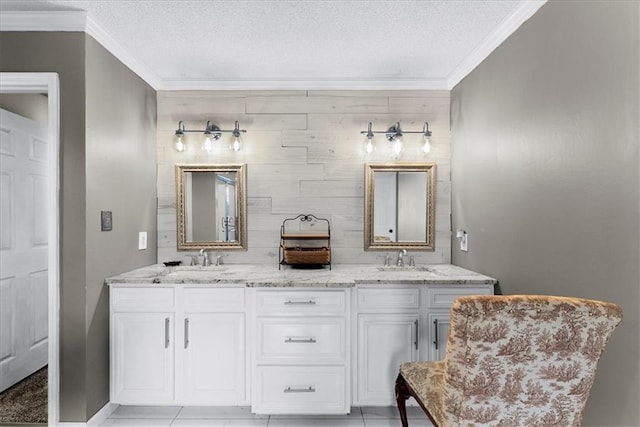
<point x="545" y="141"/>
<point x="64" y="53"/>
<point x="107" y="161"/>
<point x="121" y="177"/>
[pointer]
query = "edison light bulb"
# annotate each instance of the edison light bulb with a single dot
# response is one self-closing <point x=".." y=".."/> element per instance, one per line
<point x="426" y="145"/>
<point x="180" y="146"/>
<point x="207" y="145"/>
<point x="397" y="147"/>
<point x="368" y="146"/>
<point x="236" y="145"/>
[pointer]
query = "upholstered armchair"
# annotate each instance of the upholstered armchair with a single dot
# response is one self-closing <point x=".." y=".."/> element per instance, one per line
<point x="512" y="361"/>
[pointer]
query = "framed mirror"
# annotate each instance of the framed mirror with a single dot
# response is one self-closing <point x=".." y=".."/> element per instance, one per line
<point x="211" y="207"/>
<point x="400" y="206"/>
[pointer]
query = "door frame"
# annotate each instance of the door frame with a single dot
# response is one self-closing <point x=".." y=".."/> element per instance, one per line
<point x="48" y="83"/>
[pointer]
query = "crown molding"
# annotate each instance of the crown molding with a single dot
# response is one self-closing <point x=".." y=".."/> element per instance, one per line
<point x="525" y="10"/>
<point x="43" y="20"/>
<point x="81" y="22"/>
<point x="76" y="21"/>
<point x="304" y="84"/>
<point x="117" y="50"/>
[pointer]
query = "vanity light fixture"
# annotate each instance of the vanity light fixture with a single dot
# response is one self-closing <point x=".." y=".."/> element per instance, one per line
<point x="211" y="133"/>
<point x="180" y="146"/>
<point x="426" y="135"/>
<point x="369" y="146"/>
<point x="236" y="138"/>
<point x="394" y="135"/>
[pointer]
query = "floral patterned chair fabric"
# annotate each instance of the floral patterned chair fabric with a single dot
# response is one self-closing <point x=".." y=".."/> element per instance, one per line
<point x="512" y="361"/>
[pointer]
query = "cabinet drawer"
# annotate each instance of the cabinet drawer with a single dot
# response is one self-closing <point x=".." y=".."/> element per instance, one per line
<point x="213" y="299"/>
<point x="142" y="299"/>
<point x="308" y="340"/>
<point x="301" y="390"/>
<point x="443" y="297"/>
<point x="395" y="298"/>
<point x="300" y="302"/>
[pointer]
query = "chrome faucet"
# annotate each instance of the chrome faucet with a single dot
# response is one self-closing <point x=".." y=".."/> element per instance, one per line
<point x="401" y="255"/>
<point x="219" y="260"/>
<point x="204" y="253"/>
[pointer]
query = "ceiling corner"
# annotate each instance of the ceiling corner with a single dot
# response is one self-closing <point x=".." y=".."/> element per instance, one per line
<point x="117" y="50"/>
<point x="310" y="84"/>
<point x="525" y="10"/>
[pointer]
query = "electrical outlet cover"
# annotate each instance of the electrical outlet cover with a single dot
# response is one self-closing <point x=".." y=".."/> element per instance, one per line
<point x="464" y="243"/>
<point x="142" y="240"/>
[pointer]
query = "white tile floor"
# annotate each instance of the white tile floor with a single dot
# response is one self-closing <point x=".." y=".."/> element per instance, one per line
<point x="191" y="416"/>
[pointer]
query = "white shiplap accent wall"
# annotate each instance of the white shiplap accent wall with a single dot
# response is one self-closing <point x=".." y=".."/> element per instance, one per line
<point x="303" y="151"/>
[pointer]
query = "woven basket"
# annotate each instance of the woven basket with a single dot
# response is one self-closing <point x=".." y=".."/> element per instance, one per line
<point x="307" y="256"/>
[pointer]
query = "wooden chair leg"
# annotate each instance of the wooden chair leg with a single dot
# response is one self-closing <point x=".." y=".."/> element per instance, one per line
<point x="402" y="394"/>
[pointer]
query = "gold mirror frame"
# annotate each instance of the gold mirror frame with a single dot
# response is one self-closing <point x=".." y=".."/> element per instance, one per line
<point x="370" y="169"/>
<point x="241" y="207"/>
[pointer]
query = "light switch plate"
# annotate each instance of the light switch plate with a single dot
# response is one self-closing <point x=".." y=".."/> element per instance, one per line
<point x="142" y="240"/>
<point x="106" y="221"/>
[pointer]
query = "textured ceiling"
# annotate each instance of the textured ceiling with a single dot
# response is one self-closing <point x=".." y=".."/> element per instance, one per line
<point x="186" y="40"/>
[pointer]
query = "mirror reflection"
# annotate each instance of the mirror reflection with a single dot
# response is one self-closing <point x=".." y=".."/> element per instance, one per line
<point x="211" y="207"/>
<point x="400" y="206"/>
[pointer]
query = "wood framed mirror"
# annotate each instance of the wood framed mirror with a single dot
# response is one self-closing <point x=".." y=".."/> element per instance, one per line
<point x="211" y="207"/>
<point x="400" y="206"/>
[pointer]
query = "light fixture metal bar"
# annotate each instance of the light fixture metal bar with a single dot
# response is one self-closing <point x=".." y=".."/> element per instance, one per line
<point x="209" y="129"/>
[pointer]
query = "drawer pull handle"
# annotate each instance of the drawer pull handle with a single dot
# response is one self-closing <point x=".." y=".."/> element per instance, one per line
<point x="297" y="340"/>
<point x="435" y="327"/>
<point x="417" y="341"/>
<point x="186" y="332"/>
<point x="166" y="332"/>
<point x="309" y="302"/>
<point x="310" y="389"/>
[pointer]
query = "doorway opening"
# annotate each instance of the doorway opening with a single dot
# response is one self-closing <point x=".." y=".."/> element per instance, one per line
<point x="44" y="332"/>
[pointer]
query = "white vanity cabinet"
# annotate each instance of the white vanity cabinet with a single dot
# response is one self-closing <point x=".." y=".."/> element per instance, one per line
<point x="300" y="351"/>
<point x="176" y="344"/>
<point x="437" y="300"/>
<point x="213" y="346"/>
<point x="333" y="342"/>
<point x="396" y="324"/>
<point x="142" y="343"/>
<point x="388" y="320"/>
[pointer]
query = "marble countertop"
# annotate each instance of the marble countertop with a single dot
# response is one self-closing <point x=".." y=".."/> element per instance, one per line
<point x="340" y="276"/>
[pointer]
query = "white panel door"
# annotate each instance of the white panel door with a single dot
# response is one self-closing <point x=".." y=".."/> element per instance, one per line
<point x="384" y="342"/>
<point x="142" y="358"/>
<point x="23" y="247"/>
<point x="214" y="359"/>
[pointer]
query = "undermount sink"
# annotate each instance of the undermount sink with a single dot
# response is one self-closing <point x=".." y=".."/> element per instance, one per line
<point x="195" y="268"/>
<point x="196" y="272"/>
<point x="396" y="268"/>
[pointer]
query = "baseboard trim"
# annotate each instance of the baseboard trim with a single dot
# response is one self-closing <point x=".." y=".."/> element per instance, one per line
<point x="102" y="415"/>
